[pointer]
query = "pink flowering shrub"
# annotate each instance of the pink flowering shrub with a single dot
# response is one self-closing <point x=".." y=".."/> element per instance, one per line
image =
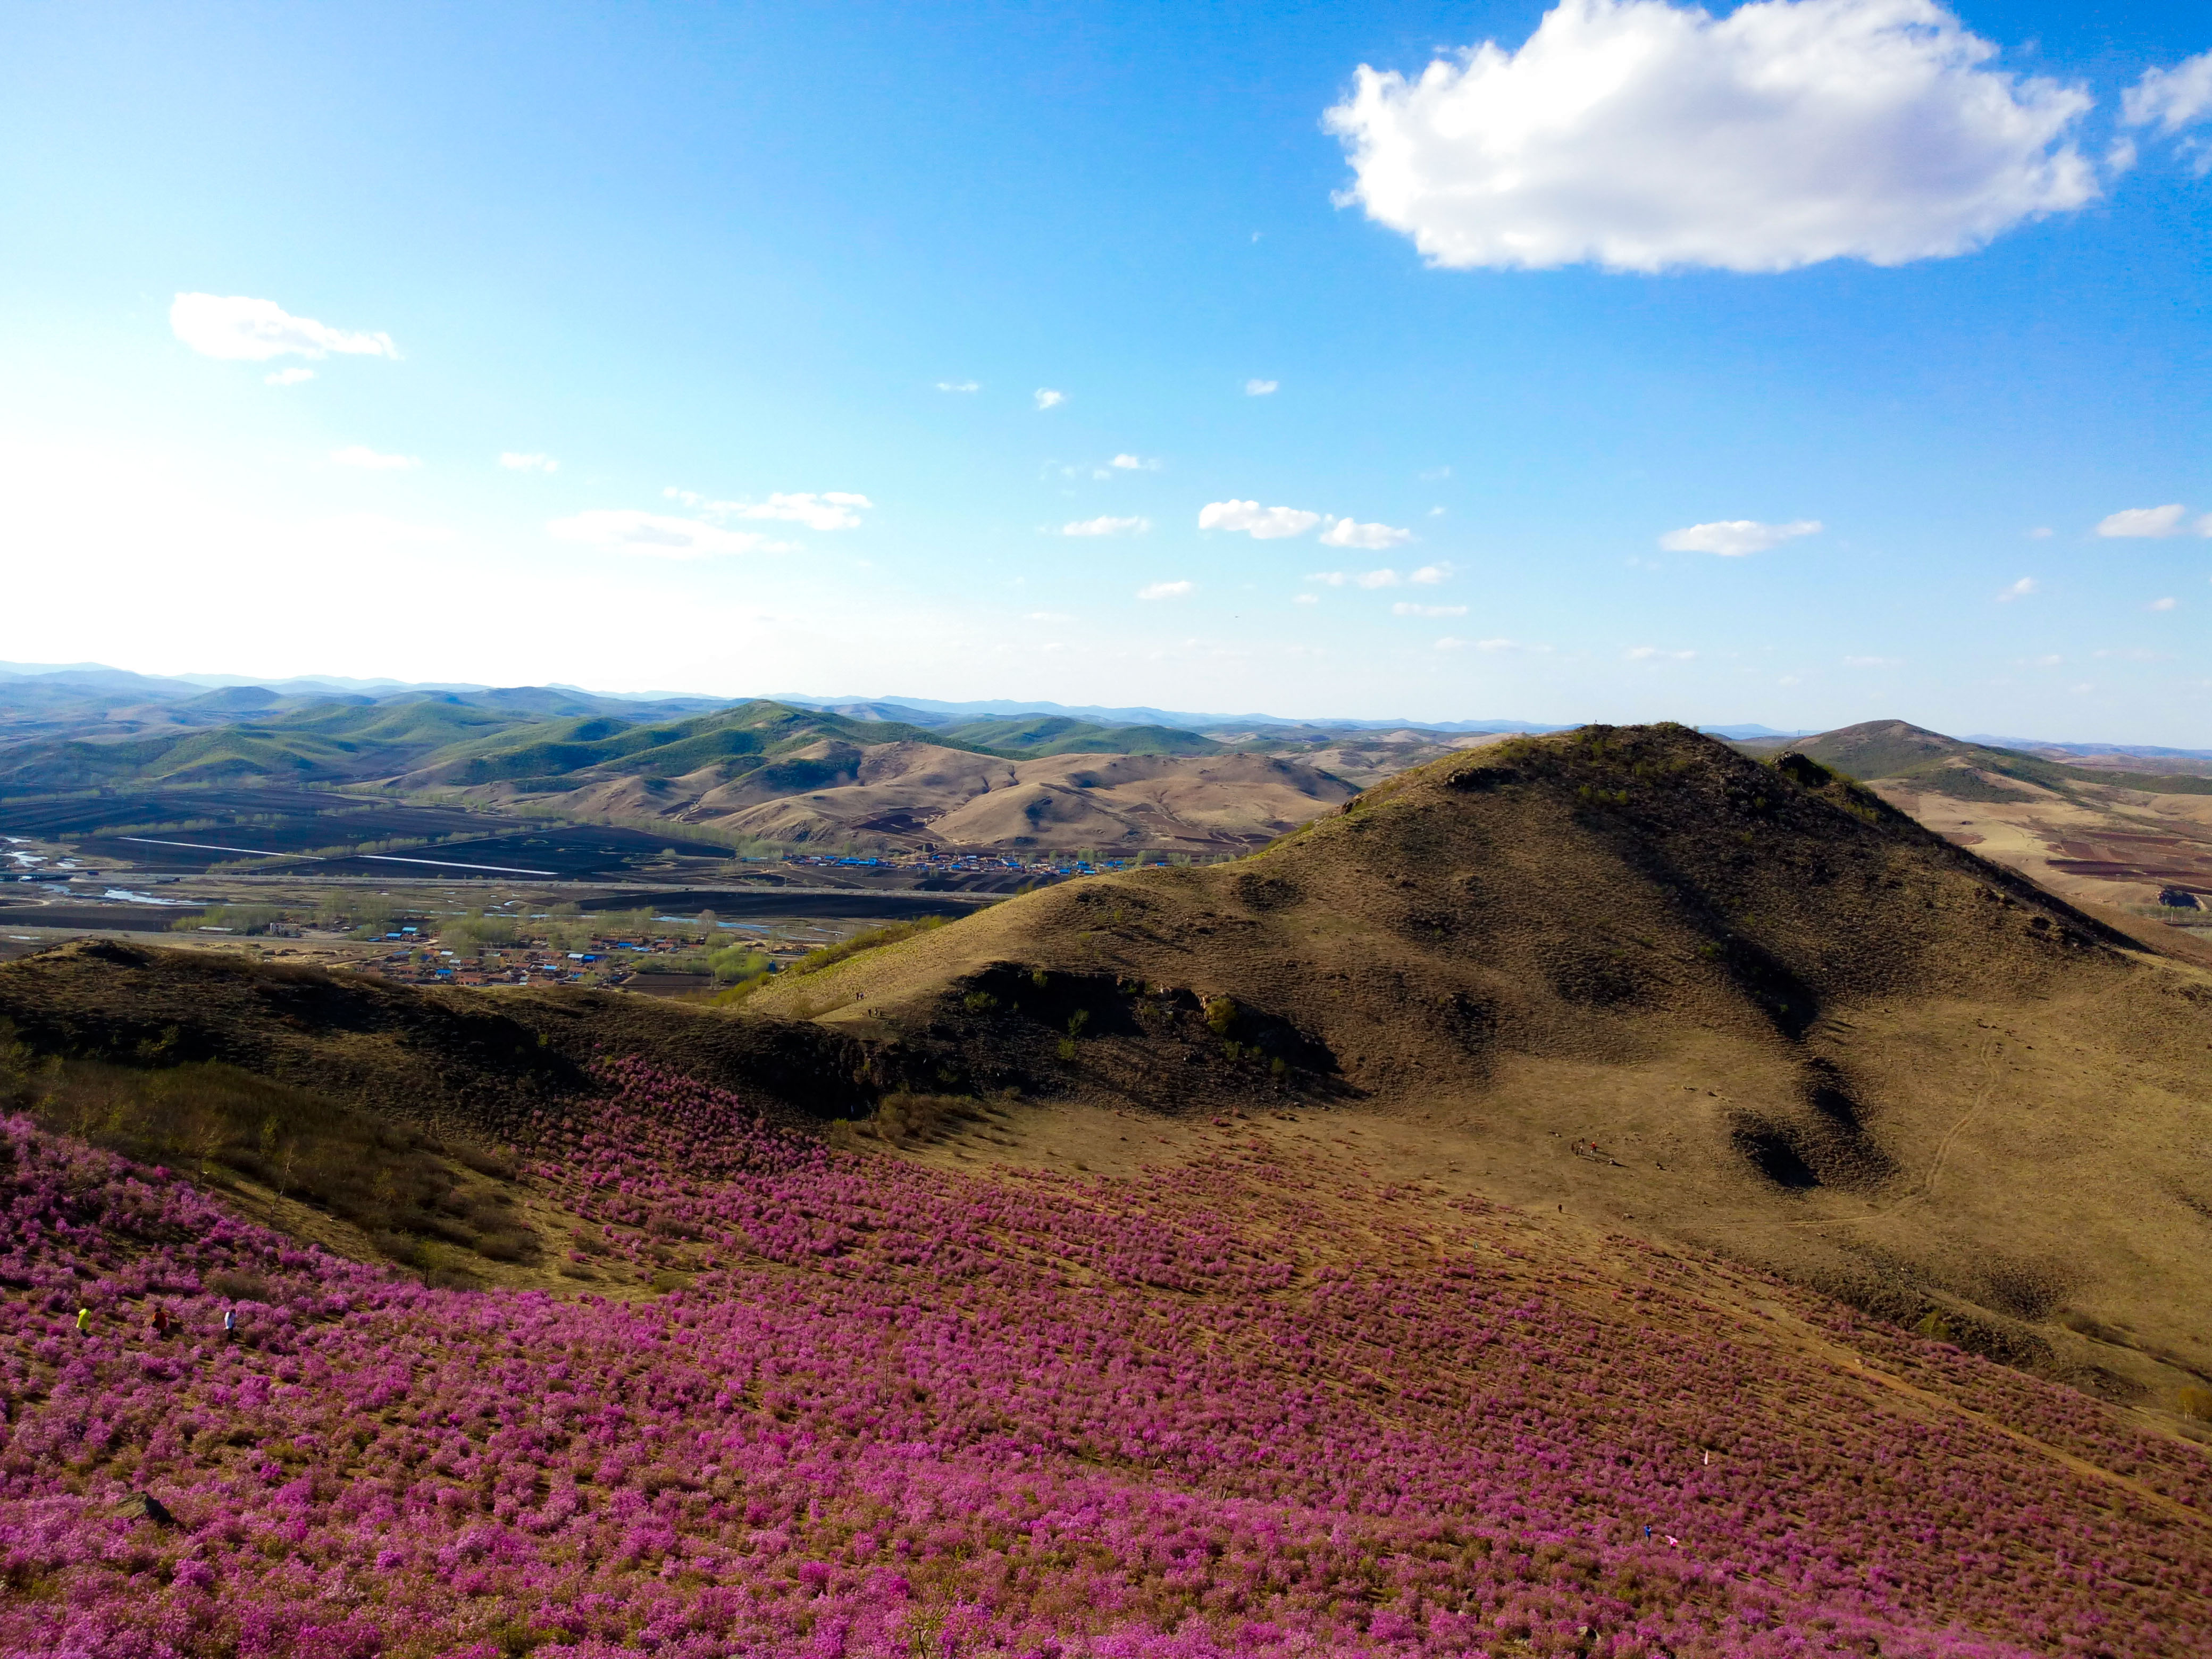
<point x="903" y="1411"/>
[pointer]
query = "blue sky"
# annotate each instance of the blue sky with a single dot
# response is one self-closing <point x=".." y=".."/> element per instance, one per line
<point x="1567" y="344"/>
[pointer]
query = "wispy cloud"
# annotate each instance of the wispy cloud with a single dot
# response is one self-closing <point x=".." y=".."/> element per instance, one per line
<point x="2020" y="590"/>
<point x="2136" y="523"/>
<point x="295" y="376"/>
<point x="1383" y="578"/>
<point x="1136" y="463"/>
<point x="1261" y="388"/>
<point x="2164" y="604"/>
<point x="1345" y="532"/>
<point x="1047" y="399"/>
<point x="1166" y="590"/>
<point x="1263" y="524"/>
<point x="1873" y="662"/>
<point x="660" y="536"/>
<point x="1103" y="526"/>
<point x="1047" y="616"/>
<point x="2042" y="532"/>
<point x="1430" y="574"/>
<point x="1654" y="653"/>
<point x="959" y="386"/>
<point x="1733" y="538"/>
<point x="2173" y="100"/>
<point x="1305" y="598"/>
<point x="515" y="460"/>
<point x="362" y="456"/>
<point x="253" y="331"/>
<point x="1404" y="607"/>
<point x="828" y="509"/>
<point x="1448" y="643"/>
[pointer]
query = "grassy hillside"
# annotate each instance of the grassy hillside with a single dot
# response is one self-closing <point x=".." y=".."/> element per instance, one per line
<point x="1250" y="1403"/>
<point x="331" y="741"/>
<point x="1882" y="749"/>
<point x="1802" y="1028"/>
<point x="532" y="734"/>
<point x="1386" y="1249"/>
<point x="732" y="742"/>
<point x="1033" y="738"/>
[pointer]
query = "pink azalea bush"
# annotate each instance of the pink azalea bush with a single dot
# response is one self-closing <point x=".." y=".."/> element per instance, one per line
<point x="903" y="1411"/>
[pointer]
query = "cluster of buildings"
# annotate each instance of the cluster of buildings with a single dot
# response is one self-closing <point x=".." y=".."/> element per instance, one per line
<point x="427" y="962"/>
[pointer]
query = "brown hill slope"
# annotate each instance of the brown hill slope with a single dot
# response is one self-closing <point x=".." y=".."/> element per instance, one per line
<point x="2099" y="837"/>
<point x="1634" y="971"/>
<point x="909" y="791"/>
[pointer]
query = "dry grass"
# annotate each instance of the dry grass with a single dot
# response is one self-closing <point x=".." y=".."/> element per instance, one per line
<point x="406" y="1191"/>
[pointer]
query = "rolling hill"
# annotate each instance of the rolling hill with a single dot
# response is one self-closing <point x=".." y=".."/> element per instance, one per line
<point x="2100" y="836"/>
<point x="1420" y="1237"/>
<point x="1698" y="997"/>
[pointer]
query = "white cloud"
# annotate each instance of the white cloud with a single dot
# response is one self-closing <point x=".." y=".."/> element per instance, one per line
<point x="1732" y="538"/>
<point x="1261" y="388"/>
<point x="1047" y="399"/>
<point x="959" y="386"/>
<point x="1166" y="590"/>
<point x="2042" y="532"/>
<point x="517" y="461"/>
<point x="254" y="330"/>
<point x="2171" y="99"/>
<point x="2145" y="521"/>
<point x="288" y="376"/>
<point x="1404" y="609"/>
<point x="1378" y="579"/>
<point x="1447" y="643"/>
<point x="1873" y="662"/>
<point x="660" y="536"/>
<point x="362" y="456"/>
<point x="1498" y="644"/>
<point x="1430" y="574"/>
<point x="1107" y="527"/>
<point x="2164" y="604"/>
<point x="1345" y="532"/>
<point x="1435" y="474"/>
<point x="1653" y="654"/>
<point x="1640" y="136"/>
<point x="828" y="509"/>
<point x="1263" y="524"/>
<point x="2020" y="590"/>
<point x="1306" y="598"/>
<point x="1047" y="616"/>
<point x="1136" y="463"/>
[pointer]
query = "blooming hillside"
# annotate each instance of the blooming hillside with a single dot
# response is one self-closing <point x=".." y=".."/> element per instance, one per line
<point x="1248" y="1408"/>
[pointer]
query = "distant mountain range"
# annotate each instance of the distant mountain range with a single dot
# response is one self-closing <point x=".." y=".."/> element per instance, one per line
<point x="764" y="769"/>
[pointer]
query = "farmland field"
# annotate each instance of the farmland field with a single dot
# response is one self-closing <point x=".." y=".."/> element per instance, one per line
<point x="803" y="906"/>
